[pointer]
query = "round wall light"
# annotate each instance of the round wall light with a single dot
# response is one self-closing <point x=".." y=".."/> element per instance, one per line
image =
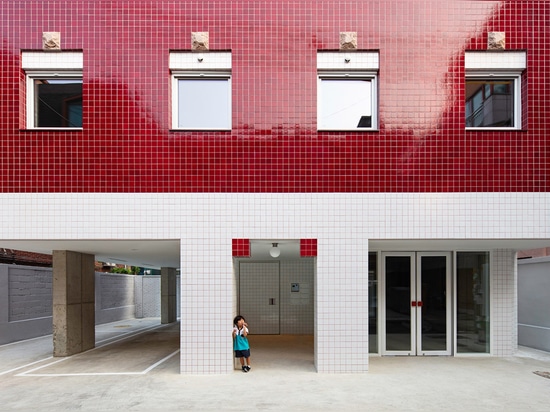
<point x="274" y="251"/>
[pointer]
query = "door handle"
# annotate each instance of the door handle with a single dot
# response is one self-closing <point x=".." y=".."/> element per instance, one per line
<point x="272" y="301"/>
<point x="416" y="303"/>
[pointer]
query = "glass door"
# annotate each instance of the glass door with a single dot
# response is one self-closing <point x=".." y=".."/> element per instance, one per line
<point x="433" y="303"/>
<point x="416" y="303"/>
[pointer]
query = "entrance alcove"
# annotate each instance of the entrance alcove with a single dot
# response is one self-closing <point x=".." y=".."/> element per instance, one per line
<point x="275" y="294"/>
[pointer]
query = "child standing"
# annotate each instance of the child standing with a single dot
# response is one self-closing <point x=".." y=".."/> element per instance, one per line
<point x="240" y="342"/>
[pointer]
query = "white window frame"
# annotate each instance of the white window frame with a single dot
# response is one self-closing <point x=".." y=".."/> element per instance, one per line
<point x="370" y="77"/>
<point x="340" y="66"/>
<point x="495" y="65"/>
<point x="177" y="76"/>
<point x="31" y="76"/>
<point x="48" y="65"/>
<point x="515" y="77"/>
<point x="201" y="67"/>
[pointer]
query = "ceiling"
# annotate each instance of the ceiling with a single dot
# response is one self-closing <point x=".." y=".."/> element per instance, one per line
<point x="259" y="249"/>
<point x="154" y="254"/>
<point x="419" y="245"/>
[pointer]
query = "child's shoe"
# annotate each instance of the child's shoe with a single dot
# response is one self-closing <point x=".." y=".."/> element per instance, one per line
<point x="245" y="369"/>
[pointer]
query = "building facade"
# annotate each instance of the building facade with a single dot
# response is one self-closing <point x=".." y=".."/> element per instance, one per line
<point x="393" y="154"/>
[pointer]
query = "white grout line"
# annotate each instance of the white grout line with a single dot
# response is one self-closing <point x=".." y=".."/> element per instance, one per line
<point x="135" y="332"/>
<point x="150" y="368"/>
<point x="122" y="335"/>
<point x="81" y="374"/>
<point x="43" y="366"/>
<point x="24" y="366"/>
<point x="146" y="371"/>
<point x="29" y="373"/>
<point x="533" y="326"/>
<point x="19" y="342"/>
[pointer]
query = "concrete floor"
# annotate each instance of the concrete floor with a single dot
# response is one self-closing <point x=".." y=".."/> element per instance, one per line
<point x="135" y="367"/>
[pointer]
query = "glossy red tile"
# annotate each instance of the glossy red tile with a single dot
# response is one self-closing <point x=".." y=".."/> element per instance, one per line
<point x="127" y="144"/>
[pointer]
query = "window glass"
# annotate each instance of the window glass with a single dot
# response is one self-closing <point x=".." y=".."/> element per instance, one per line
<point x="373" y="303"/>
<point x="491" y="103"/>
<point x="57" y="102"/>
<point x="473" y="320"/>
<point x="204" y="103"/>
<point x="345" y="104"/>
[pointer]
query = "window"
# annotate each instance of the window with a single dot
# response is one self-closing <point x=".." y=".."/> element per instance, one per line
<point x="201" y="91"/>
<point x="53" y="90"/>
<point x="493" y="89"/>
<point x="373" y="302"/>
<point x="473" y="302"/>
<point x="347" y="91"/>
<point x="493" y="102"/>
<point x="203" y="102"/>
<point x="55" y="101"/>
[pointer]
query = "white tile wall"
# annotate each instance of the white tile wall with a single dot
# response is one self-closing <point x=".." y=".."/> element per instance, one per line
<point x="348" y="60"/>
<point x="504" y="321"/>
<point x="516" y="60"/>
<point x="342" y="223"/>
<point x="52" y="60"/>
<point x="200" y="61"/>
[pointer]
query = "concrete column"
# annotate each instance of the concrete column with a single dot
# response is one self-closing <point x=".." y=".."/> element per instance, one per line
<point x="73" y="302"/>
<point x="168" y="295"/>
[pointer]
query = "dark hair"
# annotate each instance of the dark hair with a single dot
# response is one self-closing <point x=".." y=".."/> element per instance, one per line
<point x="238" y="318"/>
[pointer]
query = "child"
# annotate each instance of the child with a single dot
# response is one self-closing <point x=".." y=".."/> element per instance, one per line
<point x="240" y="342"/>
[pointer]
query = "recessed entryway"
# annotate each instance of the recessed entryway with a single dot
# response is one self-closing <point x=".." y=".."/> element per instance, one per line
<point x="275" y="293"/>
<point x="416" y="303"/>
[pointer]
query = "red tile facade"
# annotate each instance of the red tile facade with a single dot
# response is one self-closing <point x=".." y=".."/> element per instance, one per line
<point x="422" y="146"/>
<point x="308" y="247"/>
<point x="241" y="247"/>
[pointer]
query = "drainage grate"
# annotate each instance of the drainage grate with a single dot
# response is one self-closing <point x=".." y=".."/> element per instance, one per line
<point x="543" y="374"/>
<point x="121" y="326"/>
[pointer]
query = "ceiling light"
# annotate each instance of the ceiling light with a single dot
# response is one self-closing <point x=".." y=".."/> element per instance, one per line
<point x="275" y="251"/>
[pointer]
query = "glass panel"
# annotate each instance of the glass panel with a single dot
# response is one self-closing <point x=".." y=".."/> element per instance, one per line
<point x="473" y="319"/>
<point x="58" y="102"/>
<point x="373" y="304"/>
<point x="345" y="104"/>
<point x="398" y="303"/>
<point x="74" y="112"/>
<point x="434" y="303"/>
<point x="491" y="103"/>
<point x="204" y="104"/>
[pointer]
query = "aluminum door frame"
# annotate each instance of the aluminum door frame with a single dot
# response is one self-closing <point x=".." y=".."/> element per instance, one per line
<point x="448" y="303"/>
<point x="416" y="315"/>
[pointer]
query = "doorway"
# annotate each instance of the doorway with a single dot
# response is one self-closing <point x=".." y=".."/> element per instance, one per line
<point x="416" y="303"/>
<point x="259" y="296"/>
